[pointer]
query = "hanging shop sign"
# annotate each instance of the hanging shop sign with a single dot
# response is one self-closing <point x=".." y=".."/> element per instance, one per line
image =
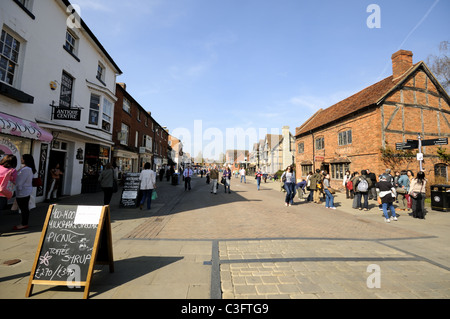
<point x="66" y="114"/>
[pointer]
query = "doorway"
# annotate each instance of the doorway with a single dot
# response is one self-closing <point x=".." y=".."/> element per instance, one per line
<point x="57" y="157"/>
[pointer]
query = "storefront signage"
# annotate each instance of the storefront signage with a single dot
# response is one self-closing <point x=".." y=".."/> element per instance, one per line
<point x="130" y="190"/>
<point x="66" y="114"/>
<point x="73" y="240"/>
<point x="22" y="128"/>
<point x="7" y="147"/>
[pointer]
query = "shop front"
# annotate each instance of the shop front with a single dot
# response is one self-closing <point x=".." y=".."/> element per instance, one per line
<point x="127" y="162"/>
<point x="96" y="157"/>
<point x="18" y="137"/>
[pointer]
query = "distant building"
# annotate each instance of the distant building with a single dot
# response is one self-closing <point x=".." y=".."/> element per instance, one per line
<point x="361" y="131"/>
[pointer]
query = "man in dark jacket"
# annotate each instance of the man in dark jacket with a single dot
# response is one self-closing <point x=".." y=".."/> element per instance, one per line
<point x="372" y="189"/>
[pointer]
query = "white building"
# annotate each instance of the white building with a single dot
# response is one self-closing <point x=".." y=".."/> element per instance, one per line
<point x="56" y="76"/>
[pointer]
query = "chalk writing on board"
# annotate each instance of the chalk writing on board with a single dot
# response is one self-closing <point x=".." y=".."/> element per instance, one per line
<point x="68" y="243"/>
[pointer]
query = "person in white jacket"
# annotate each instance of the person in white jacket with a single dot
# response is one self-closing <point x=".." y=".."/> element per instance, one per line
<point x="148" y="184"/>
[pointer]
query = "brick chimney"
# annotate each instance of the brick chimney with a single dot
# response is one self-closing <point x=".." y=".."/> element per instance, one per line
<point x="401" y="62"/>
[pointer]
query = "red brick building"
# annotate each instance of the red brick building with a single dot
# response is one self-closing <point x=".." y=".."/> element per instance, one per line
<point x="361" y="131"/>
<point x="137" y="137"/>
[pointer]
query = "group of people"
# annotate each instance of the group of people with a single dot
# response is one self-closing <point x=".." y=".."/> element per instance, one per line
<point x="403" y="187"/>
<point x="19" y="181"/>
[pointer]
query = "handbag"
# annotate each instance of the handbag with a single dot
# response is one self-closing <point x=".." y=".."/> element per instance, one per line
<point x="37" y="182"/>
<point x="400" y="190"/>
<point x="154" y="195"/>
<point x="414" y="195"/>
<point x="331" y="190"/>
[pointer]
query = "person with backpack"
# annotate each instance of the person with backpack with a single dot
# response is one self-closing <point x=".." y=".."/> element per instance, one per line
<point x="361" y="187"/>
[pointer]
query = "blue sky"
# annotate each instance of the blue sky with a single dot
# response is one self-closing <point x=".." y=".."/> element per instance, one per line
<point x="256" y="64"/>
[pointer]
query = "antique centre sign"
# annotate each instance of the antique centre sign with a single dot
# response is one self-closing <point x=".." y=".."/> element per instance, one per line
<point x="66" y="114"/>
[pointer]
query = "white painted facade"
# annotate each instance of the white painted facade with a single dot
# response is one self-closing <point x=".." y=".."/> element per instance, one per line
<point x="41" y="29"/>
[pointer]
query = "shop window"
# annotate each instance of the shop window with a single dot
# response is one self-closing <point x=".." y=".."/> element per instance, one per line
<point x="306" y="169"/>
<point x="338" y="170"/>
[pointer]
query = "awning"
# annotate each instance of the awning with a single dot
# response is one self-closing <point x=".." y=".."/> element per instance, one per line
<point x="12" y="125"/>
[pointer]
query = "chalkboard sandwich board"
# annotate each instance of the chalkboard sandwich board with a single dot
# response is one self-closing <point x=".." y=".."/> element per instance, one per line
<point x="73" y="240"/>
<point x="130" y="191"/>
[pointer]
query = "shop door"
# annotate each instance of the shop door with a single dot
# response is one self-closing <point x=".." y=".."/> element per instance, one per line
<point x="57" y="157"/>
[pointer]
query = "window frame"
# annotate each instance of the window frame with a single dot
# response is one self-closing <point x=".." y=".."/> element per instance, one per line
<point x="125" y="130"/>
<point x="319" y="142"/>
<point x="101" y="70"/>
<point x="9" y="58"/>
<point x="338" y="170"/>
<point x="345" y="137"/>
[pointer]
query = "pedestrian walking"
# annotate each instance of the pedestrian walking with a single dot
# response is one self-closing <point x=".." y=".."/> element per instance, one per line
<point x="347" y="177"/>
<point x="373" y="179"/>
<point x="361" y="185"/>
<point x="214" y="176"/>
<point x="242" y="172"/>
<point x="386" y="196"/>
<point x="410" y="175"/>
<point x="8" y="175"/>
<point x="308" y="187"/>
<point x="402" y="191"/>
<point x="258" y="177"/>
<point x="227" y="179"/>
<point x="187" y="174"/>
<point x="106" y="179"/>
<point x="329" y="198"/>
<point x="55" y="182"/>
<point x="353" y="179"/>
<point x="24" y="189"/>
<point x="417" y="192"/>
<point x="148" y="184"/>
<point x="288" y="178"/>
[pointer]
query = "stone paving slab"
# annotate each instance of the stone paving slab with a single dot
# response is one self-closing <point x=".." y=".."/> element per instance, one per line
<point x="247" y="244"/>
<point x="325" y="269"/>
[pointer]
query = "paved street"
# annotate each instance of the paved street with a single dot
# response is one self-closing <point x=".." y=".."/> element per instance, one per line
<point x="247" y="244"/>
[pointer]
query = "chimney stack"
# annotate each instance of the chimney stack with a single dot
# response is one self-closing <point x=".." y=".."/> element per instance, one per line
<point x="401" y="62"/>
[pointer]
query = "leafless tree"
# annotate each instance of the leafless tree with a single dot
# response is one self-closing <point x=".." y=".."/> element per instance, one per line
<point x="440" y="65"/>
